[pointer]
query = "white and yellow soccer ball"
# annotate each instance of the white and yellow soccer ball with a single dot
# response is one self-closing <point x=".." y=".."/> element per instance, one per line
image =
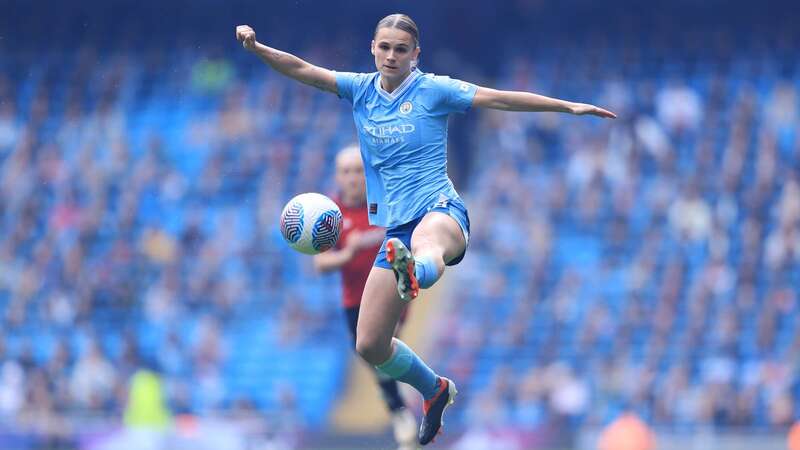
<point x="311" y="223"/>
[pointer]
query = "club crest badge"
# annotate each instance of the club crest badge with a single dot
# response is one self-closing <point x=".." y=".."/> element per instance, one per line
<point x="406" y="108"/>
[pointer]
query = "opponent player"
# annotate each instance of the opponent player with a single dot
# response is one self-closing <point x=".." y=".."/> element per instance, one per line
<point x="353" y="256"/>
<point x="401" y="117"/>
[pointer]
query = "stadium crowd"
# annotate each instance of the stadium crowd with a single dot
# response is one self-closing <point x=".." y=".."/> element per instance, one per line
<point x="647" y="264"/>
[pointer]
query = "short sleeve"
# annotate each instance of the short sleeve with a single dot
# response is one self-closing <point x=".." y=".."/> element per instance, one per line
<point x="455" y="95"/>
<point x="347" y="84"/>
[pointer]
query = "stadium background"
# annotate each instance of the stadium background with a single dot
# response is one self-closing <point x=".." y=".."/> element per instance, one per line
<point x="647" y="265"/>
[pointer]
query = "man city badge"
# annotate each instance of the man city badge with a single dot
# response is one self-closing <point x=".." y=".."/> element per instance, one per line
<point x="406" y="108"/>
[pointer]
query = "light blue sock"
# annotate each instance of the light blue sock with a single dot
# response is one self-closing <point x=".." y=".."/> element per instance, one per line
<point x="404" y="365"/>
<point x="425" y="271"/>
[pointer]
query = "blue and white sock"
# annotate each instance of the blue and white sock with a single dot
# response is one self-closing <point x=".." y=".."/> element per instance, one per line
<point x="404" y="365"/>
<point x="425" y="271"/>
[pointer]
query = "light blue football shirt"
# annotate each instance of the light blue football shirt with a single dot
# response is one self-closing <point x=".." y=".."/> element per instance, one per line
<point x="403" y="137"/>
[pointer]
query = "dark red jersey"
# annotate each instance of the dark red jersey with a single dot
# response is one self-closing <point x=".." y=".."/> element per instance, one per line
<point x="355" y="272"/>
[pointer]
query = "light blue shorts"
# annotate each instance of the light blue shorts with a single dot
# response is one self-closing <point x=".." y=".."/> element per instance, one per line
<point x="453" y="208"/>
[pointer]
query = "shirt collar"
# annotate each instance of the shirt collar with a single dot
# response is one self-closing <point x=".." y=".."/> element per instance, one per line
<point x="400" y="89"/>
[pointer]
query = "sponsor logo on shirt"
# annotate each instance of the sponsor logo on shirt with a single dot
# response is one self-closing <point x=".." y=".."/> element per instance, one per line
<point x="389" y="134"/>
<point x="389" y="130"/>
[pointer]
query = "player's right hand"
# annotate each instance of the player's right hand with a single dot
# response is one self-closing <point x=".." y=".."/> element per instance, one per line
<point x="247" y="36"/>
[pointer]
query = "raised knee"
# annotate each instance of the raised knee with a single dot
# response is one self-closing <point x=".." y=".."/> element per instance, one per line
<point x="372" y="350"/>
<point x="427" y="248"/>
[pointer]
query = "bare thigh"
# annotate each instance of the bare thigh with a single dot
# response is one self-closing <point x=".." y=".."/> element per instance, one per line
<point x="381" y="308"/>
<point x="440" y="235"/>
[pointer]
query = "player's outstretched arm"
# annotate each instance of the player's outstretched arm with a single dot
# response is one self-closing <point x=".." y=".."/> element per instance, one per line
<point x="332" y="260"/>
<point x="335" y="258"/>
<point x="286" y="63"/>
<point x="357" y="240"/>
<point x="526" y="101"/>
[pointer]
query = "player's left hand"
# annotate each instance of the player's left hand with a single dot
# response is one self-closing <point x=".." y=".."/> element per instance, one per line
<point x="581" y="109"/>
<point x="372" y="237"/>
<point x="359" y="240"/>
<point x="353" y="241"/>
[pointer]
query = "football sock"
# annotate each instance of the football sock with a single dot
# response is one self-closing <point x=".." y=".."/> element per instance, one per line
<point x="425" y="271"/>
<point x="404" y="365"/>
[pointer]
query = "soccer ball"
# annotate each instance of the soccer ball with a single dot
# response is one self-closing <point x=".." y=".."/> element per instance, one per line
<point x="311" y="223"/>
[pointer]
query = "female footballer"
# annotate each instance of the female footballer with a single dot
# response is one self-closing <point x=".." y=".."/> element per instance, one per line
<point x="401" y="118"/>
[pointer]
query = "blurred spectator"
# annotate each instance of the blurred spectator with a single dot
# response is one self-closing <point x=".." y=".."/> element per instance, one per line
<point x="628" y="432"/>
<point x="690" y="215"/>
<point x="793" y="439"/>
<point x="679" y="108"/>
<point x="92" y="380"/>
<point x="12" y="389"/>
